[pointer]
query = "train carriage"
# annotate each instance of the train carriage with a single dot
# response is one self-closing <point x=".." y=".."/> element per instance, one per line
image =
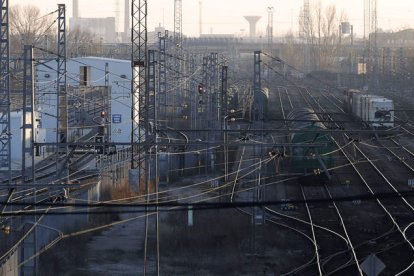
<point x="308" y="159"/>
<point x="375" y="111"/>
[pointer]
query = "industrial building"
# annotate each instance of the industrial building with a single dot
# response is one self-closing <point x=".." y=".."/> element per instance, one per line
<point x="84" y="75"/>
<point x="106" y="28"/>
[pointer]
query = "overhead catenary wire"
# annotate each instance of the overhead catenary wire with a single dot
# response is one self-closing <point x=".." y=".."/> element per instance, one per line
<point x="200" y="206"/>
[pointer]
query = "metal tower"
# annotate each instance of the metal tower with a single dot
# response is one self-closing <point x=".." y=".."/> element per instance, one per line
<point x="29" y="244"/>
<point x="5" y="135"/>
<point x="215" y="92"/>
<point x="257" y="86"/>
<point x="370" y="36"/>
<point x="151" y="171"/>
<point x="224" y="103"/>
<point x="150" y="120"/>
<point x="178" y="23"/>
<point x="200" y="15"/>
<point x="162" y="80"/>
<point x="138" y="82"/>
<point x="270" y="11"/>
<point x="306" y="30"/>
<point x="143" y="86"/>
<point x="258" y="219"/>
<point x="61" y="97"/>
<point x="28" y="129"/>
<point x="178" y="52"/>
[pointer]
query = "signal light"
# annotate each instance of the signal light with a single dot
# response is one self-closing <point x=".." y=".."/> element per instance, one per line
<point x="99" y="149"/>
<point x="103" y="114"/>
<point x="200" y="88"/>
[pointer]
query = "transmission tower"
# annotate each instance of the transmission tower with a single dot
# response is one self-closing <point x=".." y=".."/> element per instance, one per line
<point x="5" y="135"/>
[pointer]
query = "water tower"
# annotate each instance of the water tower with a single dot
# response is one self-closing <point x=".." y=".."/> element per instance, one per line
<point x="252" y="22"/>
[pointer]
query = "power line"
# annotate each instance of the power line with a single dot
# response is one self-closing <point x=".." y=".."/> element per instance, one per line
<point x="196" y="206"/>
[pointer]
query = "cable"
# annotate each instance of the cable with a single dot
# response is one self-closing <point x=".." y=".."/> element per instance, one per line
<point x="213" y="205"/>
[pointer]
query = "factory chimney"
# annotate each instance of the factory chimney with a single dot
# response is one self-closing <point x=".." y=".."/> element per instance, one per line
<point x="75" y="9"/>
<point x="126" y="20"/>
<point x="252" y="22"/>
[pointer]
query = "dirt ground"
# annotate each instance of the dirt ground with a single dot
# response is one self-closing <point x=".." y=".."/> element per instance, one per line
<point x="219" y="243"/>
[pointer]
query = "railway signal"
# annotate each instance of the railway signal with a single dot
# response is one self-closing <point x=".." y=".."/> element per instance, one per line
<point x="99" y="149"/>
<point x="200" y="88"/>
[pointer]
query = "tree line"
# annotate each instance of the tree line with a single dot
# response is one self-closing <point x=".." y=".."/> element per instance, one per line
<point x="29" y="27"/>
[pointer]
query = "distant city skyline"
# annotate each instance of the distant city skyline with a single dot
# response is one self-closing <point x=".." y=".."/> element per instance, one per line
<point x="226" y="17"/>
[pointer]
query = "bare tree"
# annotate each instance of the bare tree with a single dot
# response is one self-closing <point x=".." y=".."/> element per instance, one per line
<point x="322" y="33"/>
<point x="82" y="42"/>
<point x="290" y="51"/>
<point x="28" y="27"/>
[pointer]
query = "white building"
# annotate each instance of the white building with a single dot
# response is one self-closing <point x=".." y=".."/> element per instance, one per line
<point x="16" y="138"/>
<point x="88" y="72"/>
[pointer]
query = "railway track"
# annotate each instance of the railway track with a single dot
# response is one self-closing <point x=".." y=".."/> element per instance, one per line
<point x="398" y="209"/>
<point x="333" y="248"/>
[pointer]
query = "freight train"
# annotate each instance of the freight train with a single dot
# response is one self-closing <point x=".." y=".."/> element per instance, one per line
<point x="308" y="159"/>
<point x="375" y="111"/>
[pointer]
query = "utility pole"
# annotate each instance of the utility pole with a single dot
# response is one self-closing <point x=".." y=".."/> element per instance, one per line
<point x="178" y="63"/>
<point x="151" y="168"/>
<point x="193" y="95"/>
<point x="306" y="31"/>
<point x="215" y="92"/>
<point x="28" y="129"/>
<point x="200" y="15"/>
<point x="29" y="245"/>
<point x="162" y="80"/>
<point x="224" y="101"/>
<point x="203" y="97"/>
<point x="258" y="212"/>
<point x="370" y="38"/>
<point x="270" y="11"/>
<point x="257" y="87"/>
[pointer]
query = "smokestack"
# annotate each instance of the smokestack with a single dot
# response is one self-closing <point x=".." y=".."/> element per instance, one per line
<point x="252" y="22"/>
<point x="126" y="20"/>
<point x="75" y="9"/>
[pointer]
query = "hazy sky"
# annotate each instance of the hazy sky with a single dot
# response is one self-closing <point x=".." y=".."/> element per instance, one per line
<point x="226" y="16"/>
